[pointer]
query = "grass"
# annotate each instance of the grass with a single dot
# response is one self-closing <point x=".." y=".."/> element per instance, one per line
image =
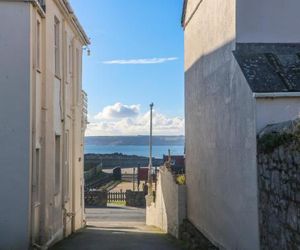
<point x="119" y="203"/>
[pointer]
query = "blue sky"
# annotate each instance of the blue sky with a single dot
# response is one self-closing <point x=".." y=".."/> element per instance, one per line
<point x="136" y="58"/>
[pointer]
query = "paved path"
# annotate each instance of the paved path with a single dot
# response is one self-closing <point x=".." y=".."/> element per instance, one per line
<point x="117" y="228"/>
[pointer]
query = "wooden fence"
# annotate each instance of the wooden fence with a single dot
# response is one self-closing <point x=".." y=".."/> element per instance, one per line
<point x="116" y="196"/>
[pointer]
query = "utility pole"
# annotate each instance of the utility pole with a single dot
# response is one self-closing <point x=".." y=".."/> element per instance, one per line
<point x="150" y="152"/>
<point x="133" y="179"/>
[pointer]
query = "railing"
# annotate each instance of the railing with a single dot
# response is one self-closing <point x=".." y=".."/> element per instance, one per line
<point x="98" y="182"/>
<point x="84" y="100"/>
<point x="116" y="196"/>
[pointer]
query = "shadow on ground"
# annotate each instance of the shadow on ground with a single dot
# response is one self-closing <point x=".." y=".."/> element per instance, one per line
<point x="93" y="238"/>
<point x="117" y="228"/>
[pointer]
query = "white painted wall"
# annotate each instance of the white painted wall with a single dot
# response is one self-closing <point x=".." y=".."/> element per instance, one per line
<point x="220" y="132"/>
<point x="276" y="110"/>
<point x="14" y="125"/>
<point x="169" y="209"/>
<point x="268" y="21"/>
<point x="34" y="108"/>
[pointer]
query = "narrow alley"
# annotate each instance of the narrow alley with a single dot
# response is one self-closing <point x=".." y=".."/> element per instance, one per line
<point x="117" y="227"/>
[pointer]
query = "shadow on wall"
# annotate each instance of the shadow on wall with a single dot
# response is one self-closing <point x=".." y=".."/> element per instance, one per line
<point x="221" y="167"/>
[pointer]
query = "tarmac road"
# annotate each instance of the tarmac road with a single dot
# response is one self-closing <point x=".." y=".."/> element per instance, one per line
<point x="117" y="228"/>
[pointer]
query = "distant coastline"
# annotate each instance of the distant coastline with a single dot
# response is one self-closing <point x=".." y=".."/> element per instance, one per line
<point x="109" y="161"/>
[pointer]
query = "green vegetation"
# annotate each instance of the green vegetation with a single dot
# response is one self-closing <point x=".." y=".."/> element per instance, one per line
<point x="269" y="142"/>
<point x="118" y="203"/>
<point x="180" y="179"/>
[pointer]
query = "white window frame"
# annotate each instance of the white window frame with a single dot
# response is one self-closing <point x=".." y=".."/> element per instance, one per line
<point x="57" y="46"/>
<point x="57" y="165"/>
<point x="38" y="45"/>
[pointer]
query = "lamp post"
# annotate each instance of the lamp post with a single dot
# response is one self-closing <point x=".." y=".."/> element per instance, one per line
<point x="150" y="152"/>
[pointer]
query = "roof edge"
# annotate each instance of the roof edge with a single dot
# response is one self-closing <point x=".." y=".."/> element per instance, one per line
<point x="186" y="20"/>
<point x="276" y="95"/>
<point x="185" y="2"/>
<point x="66" y="5"/>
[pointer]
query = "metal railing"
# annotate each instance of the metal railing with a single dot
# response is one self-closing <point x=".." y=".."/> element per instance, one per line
<point x="84" y="100"/>
<point x="116" y="196"/>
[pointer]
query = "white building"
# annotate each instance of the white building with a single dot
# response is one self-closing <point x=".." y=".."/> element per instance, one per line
<point x="241" y="74"/>
<point x="42" y="123"/>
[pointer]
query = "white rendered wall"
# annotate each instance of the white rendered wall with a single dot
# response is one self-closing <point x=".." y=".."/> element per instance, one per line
<point x="169" y="209"/>
<point x="220" y="130"/>
<point x="14" y="125"/>
<point x="268" y="21"/>
<point x="276" y="110"/>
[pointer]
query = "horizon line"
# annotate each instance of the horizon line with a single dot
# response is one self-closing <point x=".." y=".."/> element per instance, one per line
<point x="132" y="135"/>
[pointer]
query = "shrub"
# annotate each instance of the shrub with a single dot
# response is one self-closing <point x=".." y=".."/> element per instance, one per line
<point x="180" y="179"/>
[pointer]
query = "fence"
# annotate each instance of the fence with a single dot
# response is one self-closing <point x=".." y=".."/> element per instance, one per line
<point x="97" y="183"/>
<point x="116" y="196"/>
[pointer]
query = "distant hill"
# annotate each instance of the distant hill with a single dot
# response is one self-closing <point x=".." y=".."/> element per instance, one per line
<point x="134" y="140"/>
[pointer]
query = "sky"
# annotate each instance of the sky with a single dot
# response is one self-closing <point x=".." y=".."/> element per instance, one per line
<point x="136" y="58"/>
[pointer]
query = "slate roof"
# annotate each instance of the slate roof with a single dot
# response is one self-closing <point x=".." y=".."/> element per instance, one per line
<point x="270" y="67"/>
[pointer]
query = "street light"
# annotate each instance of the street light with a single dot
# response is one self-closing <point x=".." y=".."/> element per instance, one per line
<point x="150" y="151"/>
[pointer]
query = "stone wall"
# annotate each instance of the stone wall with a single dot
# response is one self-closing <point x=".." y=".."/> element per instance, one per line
<point x="169" y="209"/>
<point x="279" y="186"/>
<point x="95" y="198"/>
<point x="135" y="199"/>
<point x="193" y="238"/>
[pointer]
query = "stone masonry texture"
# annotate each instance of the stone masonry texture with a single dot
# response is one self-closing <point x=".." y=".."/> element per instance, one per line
<point x="193" y="238"/>
<point x="279" y="186"/>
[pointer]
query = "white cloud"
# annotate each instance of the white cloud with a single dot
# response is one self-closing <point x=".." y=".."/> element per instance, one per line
<point x="135" y="123"/>
<point x="142" y="61"/>
<point x="117" y="111"/>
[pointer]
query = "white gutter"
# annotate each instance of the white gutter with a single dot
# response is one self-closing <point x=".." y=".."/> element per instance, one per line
<point x="277" y="95"/>
<point x="77" y="23"/>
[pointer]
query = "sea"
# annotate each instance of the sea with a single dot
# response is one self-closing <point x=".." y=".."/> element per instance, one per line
<point x="139" y="150"/>
<point x="134" y="145"/>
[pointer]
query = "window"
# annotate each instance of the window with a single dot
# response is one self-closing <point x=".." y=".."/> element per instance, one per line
<point x="70" y="59"/>
<point x="38" y="45"/>
<point x="56" y="46"/>
<point x="78" y="72"/>
<point x="36" y="176"/>
<point x="66" y="167"/>
<point x="57" y="164"/>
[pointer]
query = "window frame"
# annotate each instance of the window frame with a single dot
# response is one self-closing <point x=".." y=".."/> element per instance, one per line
<point x="57" y="59"/>
<point x="38" y="45"/>
<point x="57" y="165"/>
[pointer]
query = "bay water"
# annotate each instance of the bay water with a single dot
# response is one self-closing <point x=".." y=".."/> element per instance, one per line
<point x="139" y="150"/>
